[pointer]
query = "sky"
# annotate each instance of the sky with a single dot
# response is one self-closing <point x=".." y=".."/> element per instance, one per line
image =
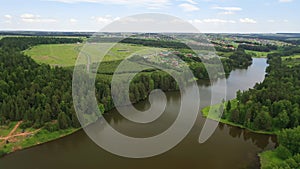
<point x="209" y="16"/>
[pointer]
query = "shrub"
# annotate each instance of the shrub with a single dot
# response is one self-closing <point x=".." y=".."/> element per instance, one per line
<point x="51" y="127"/>
<point x="26" y="124"/>
<point x="283" y="152"/>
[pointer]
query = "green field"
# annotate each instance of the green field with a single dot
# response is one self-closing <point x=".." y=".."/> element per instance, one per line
<point x="258" y="54"/>
<point x="291" y="60"/>
<point x="65" y="55"/>
<point x="292" y="57"/>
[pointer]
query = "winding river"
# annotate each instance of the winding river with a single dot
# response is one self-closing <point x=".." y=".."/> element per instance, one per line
<point x="229" y="147"/>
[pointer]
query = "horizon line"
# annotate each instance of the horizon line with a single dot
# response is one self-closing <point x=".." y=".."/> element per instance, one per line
<point x="92" y="31"/>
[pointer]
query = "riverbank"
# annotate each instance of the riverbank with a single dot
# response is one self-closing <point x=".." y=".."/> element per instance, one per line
<point x="20" y="141"/>
<point x="214" y="116"/>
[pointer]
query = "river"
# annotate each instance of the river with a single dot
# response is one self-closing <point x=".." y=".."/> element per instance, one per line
<point x="228" y="148"/>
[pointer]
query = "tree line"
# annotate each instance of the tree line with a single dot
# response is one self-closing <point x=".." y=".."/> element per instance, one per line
<point x="259" y="48"/>
<point x="22" y="43"/>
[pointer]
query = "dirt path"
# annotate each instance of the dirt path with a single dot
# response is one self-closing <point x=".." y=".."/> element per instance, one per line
<point x="20" y="134"/>
<point x="14" y="129"/>
<point x="10" y="135"/>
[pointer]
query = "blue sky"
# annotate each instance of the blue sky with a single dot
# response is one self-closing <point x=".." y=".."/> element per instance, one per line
<point x="242" y="16"/>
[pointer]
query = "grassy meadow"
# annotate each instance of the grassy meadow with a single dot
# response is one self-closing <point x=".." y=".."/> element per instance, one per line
<point x="257" y="54"/>
<point x="65" y="55"/>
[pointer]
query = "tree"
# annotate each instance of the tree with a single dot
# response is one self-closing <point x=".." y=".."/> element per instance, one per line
<point x="282" y="120"/>
<point x="235" y="116"/>
<point x="228" y="106"/>
<point x="263" y="121"/>
<point x="46" y="117"/>
<point x="289" y="138"/>
<point x="283" y="152"/>
<point x="63" y="121"/>
<point x="101" y="108"/>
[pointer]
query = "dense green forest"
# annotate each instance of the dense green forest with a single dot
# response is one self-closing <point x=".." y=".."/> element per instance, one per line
<point x="36" y="94"/>
<point x="272" y="104"/>
<point x="259" y="48"/>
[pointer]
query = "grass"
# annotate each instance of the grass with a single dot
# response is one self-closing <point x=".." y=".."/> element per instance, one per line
<point x="215" y="116"/>
<point x="59" y="54"/>
<point x="224" y="54"/>
<point x="297" y="56"/>
<point x="5" y="130"/>
<point x="42" y="136"/>
<point x="257" y="54"/>
<point x="110" y="67"/>
<point x="268" y="157"/>
<point x="291" y="60"/>
<point x="254" y="54"/>
<point x="65" y="55"/>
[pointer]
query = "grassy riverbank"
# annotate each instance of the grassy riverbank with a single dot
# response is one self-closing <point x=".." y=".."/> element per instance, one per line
<point x="17" y="141"/>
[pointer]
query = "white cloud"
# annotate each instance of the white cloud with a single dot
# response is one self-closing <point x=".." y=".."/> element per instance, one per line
<point x="285" y="1"/>
<point x="153" y="4"/>
<point x="248" y="20"/>
<point x="218" y="21"/>
<point x="8" y="19"/>
<point x="228" y="10"/>
<point x="188" y="7"/>
<point x="72" y="20"/>
<point x="191" y="2"/>
<point x="227" y="13"/>
<point x="8" y="16"/>
<point x="31" y="18"/>
<point x="104" y="20"/>
<point x="214" y="21"/>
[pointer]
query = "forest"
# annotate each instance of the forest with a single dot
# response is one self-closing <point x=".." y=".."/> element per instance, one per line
<point x="41" y="95"/>
<point x="272" y="104"/>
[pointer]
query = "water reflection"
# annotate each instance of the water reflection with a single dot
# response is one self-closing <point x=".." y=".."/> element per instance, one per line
<point x="261" y="142"/>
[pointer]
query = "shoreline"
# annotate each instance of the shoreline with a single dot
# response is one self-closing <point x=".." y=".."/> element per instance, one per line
<point x="205" y="113"/>
<point x="243" y="127"/>
<point x="63" y="134"/>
